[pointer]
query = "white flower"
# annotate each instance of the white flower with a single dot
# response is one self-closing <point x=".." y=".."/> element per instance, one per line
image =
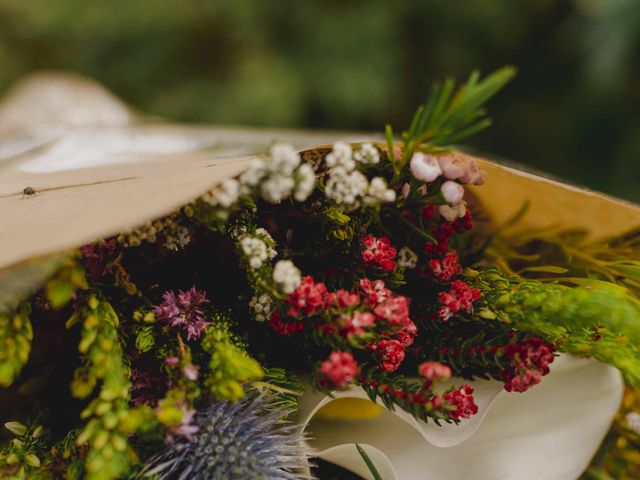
<point x="255" y="250"/>
<point x="425" y="167"/>
<point x="633" y="421"/>
<point x="305" y="182"/>
<point x="254" y="173"/>
<point x="346" y="188"/>
<point x="551" y="431"/>
<point x="367" y="154"/>
<point x="341" y="156"/>
<point x="407" y="258"/>
<point x="277" y="187"/>
<point x="224" y="194"/>
<point x="268" y="240"/>
<point x="286" y="276"/>
<point x="473" y="175"/>
<point x="451" y="212"/>
<point x="284" y="159"/>
<point x="452" y="192"/>
<point x="262" y="307"/>
<point x="378" y="192"/>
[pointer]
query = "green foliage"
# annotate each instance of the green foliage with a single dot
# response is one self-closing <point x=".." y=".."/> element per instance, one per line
<point x="110" y="419"/>
<point x="595" y="319"/>
<point x="69" y="278"/>
<point x="15" y="343"/>
<point x="229" y="366"/>
<point x="370" y="465"/>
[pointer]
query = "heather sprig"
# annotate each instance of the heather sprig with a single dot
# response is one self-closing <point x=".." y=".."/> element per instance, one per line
<point x="15" y="342"/>
<point x="247" y="439"/>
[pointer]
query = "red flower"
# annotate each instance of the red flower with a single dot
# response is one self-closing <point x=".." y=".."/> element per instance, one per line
<point x="284" y="328"/>
<point x="375" y="291"/>
<point x="529" y="362"/>
<point x="395" y="310"/>
<point x="379" y="251"/>
<point x="460" y="297"/>
<point x="447" y="268"/>
<point x="462" y="400"/>
<point x="338" y="370"/>
<point x="391" y="353"/>
<point x="309" y="297"/>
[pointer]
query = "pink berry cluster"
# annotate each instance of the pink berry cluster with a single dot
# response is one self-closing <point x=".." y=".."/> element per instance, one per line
<point x="379" y="252"/>
<point x="462" y="401"/>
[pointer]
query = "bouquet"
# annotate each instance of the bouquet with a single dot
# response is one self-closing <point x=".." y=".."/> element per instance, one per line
<point x="363" y="293"/>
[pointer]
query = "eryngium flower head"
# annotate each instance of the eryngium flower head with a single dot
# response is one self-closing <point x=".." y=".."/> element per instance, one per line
<point x="250" y="439"/>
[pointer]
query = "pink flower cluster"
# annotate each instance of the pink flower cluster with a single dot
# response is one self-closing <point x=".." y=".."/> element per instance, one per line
<point x="462" y="401"/>
<point x="460" y="297"/>
<point x="447" y="268"/>
<point x="338" y="370"/>
<point x="529" y="362"/>
<point x="378" y="251"/>
<point x="184" y="311"/>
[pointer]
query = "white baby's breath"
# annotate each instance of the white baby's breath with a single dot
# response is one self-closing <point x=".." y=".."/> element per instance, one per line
<point x="341" y="156"/>
<point x="367" y="154"/>
<point x="255" y="250"/>
<point x="286" y="276"/>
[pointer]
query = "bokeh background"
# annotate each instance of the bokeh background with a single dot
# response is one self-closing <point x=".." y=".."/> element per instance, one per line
<point x="573" y="110"/>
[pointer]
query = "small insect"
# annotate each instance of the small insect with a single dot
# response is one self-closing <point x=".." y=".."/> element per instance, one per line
<point x="29" y="192"/>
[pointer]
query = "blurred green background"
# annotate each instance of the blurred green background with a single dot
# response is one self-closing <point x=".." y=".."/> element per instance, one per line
<point x="574" y="109"/>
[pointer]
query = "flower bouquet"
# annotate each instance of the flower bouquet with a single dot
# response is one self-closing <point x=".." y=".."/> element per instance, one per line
<point x="371" y="305"/>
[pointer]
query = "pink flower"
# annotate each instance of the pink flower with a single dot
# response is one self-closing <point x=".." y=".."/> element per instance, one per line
<point x="191" y="371"/>
<point x="282" y="327"/>
<point x="356" y="324"/>
<point x="434" y="371"/>
<point x="391" y="353"/>
<point x="185" y="311"/>
<point x="186" y="428"/>
<point x="338" y="370"/>
<point x="473" y="175"/>
<point x="379" y="251"/>
<point x="462" y="400"/>
<point x="342" y="299"/>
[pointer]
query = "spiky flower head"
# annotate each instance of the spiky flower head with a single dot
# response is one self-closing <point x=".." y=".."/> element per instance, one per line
<point x="247" y="439"/>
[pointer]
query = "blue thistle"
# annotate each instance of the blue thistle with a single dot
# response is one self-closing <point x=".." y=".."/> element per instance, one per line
<point x="250" y="439"/>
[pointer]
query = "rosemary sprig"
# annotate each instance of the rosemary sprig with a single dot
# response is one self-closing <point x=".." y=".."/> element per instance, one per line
<point x="449" y="115"/>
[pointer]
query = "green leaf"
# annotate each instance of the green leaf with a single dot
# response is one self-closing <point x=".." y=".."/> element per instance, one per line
<point x="372" y="468"/>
